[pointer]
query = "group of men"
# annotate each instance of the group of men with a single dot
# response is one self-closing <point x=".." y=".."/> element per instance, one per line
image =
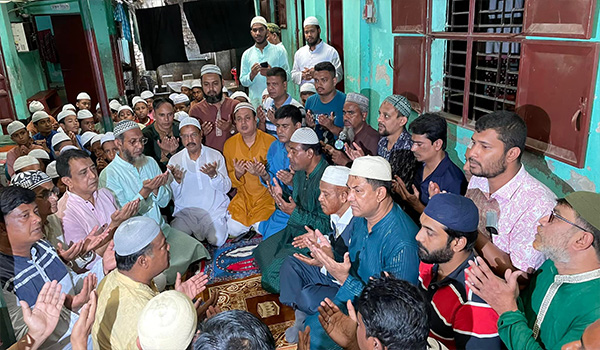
<point x="374" y="237"/>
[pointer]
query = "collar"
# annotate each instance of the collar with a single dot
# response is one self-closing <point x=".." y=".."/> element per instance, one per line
<point x="441" y="167"/>
<point x="454" y="276"/>
<point x="345" y="219"/>
<point x="318" y="47"/>
<point x="121" y="278"/>
<point x="322" y="164"/>
<point x="77" y="197"/>
<point x="505" y="192"/>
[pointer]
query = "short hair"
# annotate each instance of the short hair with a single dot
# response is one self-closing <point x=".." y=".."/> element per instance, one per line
<point x="511" y="128"/>
<point x="160" y="101"/>
<point x="380" y="183"/>
<point x="277" y="72"/>
<point x="62" y="162"/>
<point x="234" y="329"/>
<point x="126" y="263"/>
<point x="470" y="236"/>
<point x="13" y="196"/>
<point x="289" y="111"/>
<point x="584" y="224"/>
<point x="317" y="149"/>
<point x="326" y="65"/>
<point x="395" y="312"/>
<point x="433" y="126"/>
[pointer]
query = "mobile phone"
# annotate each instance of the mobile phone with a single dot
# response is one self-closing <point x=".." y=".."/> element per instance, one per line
<point x="264" y="64"/>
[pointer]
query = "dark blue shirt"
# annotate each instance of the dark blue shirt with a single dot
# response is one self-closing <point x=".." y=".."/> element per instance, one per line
<point x="48" y="140"/>
<point x="447" y="175"/>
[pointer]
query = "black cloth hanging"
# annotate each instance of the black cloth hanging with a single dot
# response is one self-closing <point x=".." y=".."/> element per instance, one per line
<point x="161" y="35"/>
<point x="220" y="24"/>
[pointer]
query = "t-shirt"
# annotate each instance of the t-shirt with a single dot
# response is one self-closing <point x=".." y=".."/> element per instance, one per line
<point x="336" y="105"/>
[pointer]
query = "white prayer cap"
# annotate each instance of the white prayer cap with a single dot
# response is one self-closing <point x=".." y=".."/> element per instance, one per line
<point x="24" y="161"/>
<point x="58" y="138"/>
<point x="87" y="137"/>
<point x="39" y="115"/>
<point x="84" y="114"/>
<point x="305" y="136"/>
<point x="210" y="68"/>
<point x="98" y="106"/>
<point x="336" y="175"/>
<point x="168" y="321"/>
<point x="180" y="98"/>
<point x="35" y="106"/>
<point x="311" y="21"/>
<point x="30" y="179"/>
<point x="181" y="115"/>
<point x="196" y="84"/>
<point x="240" y="94"/>
<point x="265" y="92"/>
<point x="308" y="87"/>
<point x="97" y="138"/>
<point x="258" y="20"/>
<point x="124" y="107"/>
<point x="361" y="100"/>
<point x="51" y="170"/>
<point x="124" y="125"/>
<point x="134" y="234"/>
<point x="69" y="106"/>
<point x="138" y="99"/>
<point x="39" y="154"/>
<point x="187" y="84"/>
<point x="172" y="96"/>
<point x="114" y="105"/>
<point x="109" y="136"/>
<point x="14" y="127"/>
<point x="83" y="96"/>
<point x="146" y="94"/>
<point x="190" y="121"/>
<point x="65" y="113"/>
<point x="372" y="167"/>
<point x="243" y="105"/>
<point x="68" y="147"/>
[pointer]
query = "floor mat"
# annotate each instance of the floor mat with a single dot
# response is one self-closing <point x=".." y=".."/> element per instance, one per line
<point x="232" y="261"/>
<point x="247" y="294"/>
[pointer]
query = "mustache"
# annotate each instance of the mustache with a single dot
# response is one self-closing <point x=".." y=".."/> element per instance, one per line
<point x="191" y="144"/>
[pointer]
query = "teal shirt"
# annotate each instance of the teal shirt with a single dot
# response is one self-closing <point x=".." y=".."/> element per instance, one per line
<point x="274" y="55"/>
<point x="575" y="306"/>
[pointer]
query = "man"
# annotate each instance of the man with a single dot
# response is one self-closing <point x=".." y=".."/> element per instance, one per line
<point x="234" y="329"/>
<point x="37" y="106"/>
<point x="244" y="153"/>
<point x="84" y="208"/>
<point x="561" y="298"/>
<point x="429" y="136"/>
<point x="274" y="36"/>
<point x="458" y="319"/>
<point x="304" y="285"/>
<point x="200" y="187"/>
<point x="141" y="253"/>
<point x="162" y="136"/>
<point x="181" y="102"/>
<point x="186" y="88"/>
<point x="84" y="101"/>
<point x="356" y="129"/>
<point x="24" y="144"/>
<point x="288" y="119"/>
<point x="43" y="124"/>
<point x="278" y="97"/>
<point x="132" y="175"/>
<point x="108" y="146"/>
<point x="325" y="108"/>
<point x="315" y="51"/>
<point x="86" y="121"/>
<point x="383" y="239"/>
<point x="69" y="124"/>
<point x="59" y="141"/>
<point x="302" y="206"/>
<point x="197" y="95"/>
<point x="28" y="262"/>
<point x="257" y="59"/>
<point x="306" y="91"/>
<point x="509" y="199"/>
<point x="215" y="111"/>
<point x="589" y="340"/>
<point x="140" y="107"/>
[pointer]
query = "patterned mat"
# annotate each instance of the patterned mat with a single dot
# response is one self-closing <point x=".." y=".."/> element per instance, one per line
<point x="247" y="294"/>
<point x="232" y="261"/>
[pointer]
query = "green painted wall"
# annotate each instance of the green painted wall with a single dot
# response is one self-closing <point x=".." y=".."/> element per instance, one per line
<point x="368" y="47"/>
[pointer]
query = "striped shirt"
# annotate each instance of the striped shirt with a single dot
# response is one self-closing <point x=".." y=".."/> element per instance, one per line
<point x="459" y="318"/>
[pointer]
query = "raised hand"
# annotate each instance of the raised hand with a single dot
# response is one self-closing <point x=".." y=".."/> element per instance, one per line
<point x="210" y="169"/>
<point x="193" y="286"/>
<point x="340" y="327"/>
<point x="127" y="211"/>
<point x="304" y="339"/>
<point x="209" y="308"/>
<point x="43" y="318"/>
<point x="434" y="189"/>
<point x="96" y="238"/>
<point x="83" y="327"/>
<point x="304" y="240"/>
<point x="326" y="120"/>
<point x="224" y="125"/>
<point x="256" y="168"/>
<point x="177" y="172"/>
<point x="354" y="152"/>
<point x="72" y="252"/>
<point x="339" y="271"/>
<point x="109" y="262"/>
<point x="207" y="127"/>
<point x="240" y="168"/>
<point x="399" y="187"/>
<point x="285" y="176"/>
<point x="75" y="302"/>
<point x="168" y="144"/>
<point x="310" y="119"/>
<point x="338" y="157"/>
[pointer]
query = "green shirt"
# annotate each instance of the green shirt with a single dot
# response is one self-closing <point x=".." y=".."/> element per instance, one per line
<point x="570" y="304"/>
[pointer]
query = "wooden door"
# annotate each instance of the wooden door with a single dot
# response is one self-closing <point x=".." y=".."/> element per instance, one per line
<point x="6" y="107"/>
<point x="335" y="35"/>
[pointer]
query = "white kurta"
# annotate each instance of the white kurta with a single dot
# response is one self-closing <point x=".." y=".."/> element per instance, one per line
<point x="305" y="58"/>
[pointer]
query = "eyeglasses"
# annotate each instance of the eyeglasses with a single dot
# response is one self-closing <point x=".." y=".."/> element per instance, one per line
<point x="553" y="215"/>
<point x="48" y="193"/>
<point x="143" y="141"/>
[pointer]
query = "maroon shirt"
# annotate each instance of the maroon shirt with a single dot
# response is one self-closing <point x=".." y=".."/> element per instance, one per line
<point x="368" y="139"/>
<point x="206" y="112"/>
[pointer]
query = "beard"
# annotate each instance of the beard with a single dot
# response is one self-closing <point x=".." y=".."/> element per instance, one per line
<point x="214" y="99"/>
<point x="138" y="161"/>
<point x="439" y="256"/>
<point x="383" y="131"/>
<point x="496" y="168"/>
